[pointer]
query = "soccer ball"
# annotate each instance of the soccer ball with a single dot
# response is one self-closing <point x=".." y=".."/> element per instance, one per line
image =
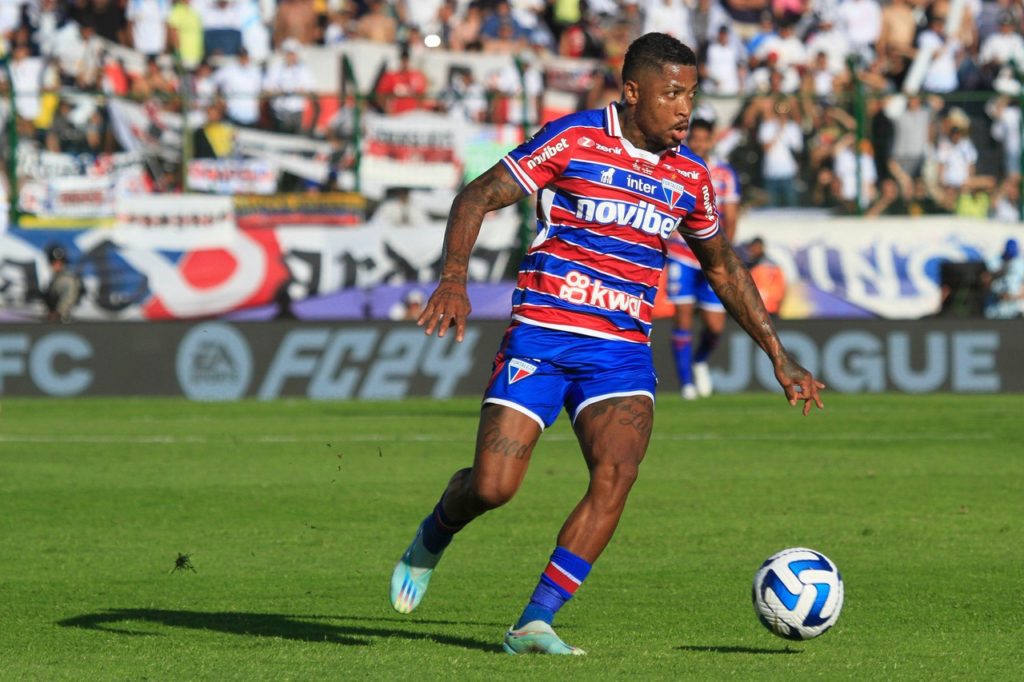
<point x="798" y="593"/>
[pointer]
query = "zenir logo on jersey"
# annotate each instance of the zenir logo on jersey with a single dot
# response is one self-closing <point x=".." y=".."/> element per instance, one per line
<point x="519" y="369"/>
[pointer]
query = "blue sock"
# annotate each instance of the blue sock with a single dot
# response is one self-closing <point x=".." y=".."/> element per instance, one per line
<point x="561" y="578"/>
<point x="682" y="349"/>
<point x="439" y="529"/>
<point x="708" y="341"/>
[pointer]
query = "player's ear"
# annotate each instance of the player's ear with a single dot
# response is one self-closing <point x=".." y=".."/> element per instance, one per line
<point x="631" y="92"/>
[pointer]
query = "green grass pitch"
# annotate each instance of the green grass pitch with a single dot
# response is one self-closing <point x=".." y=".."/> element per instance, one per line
<point x="293" y="513"/>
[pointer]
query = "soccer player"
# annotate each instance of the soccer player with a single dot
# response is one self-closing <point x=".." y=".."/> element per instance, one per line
<point x="613" y="185"/>
<point x="687" y="285"/>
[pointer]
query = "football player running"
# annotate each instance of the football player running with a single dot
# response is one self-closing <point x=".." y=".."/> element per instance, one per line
<point x="613" y="185"/>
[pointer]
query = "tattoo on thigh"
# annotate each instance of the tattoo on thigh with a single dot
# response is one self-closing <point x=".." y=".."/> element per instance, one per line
<point x="494" y="441"/>
<point x="636" y="412"/>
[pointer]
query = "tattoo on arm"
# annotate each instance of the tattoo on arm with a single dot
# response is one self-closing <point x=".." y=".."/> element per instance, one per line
<point x="493" y="190"/>
<point x="735" y="287"/>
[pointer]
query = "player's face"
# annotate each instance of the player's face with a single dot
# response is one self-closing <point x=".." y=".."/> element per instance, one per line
<point x="699" y="141"/>
<point x="663" y="102"/>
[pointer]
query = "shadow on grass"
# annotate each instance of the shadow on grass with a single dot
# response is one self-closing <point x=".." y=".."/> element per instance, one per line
<point x="300" y="628"/>
<point x="737" y="650"/>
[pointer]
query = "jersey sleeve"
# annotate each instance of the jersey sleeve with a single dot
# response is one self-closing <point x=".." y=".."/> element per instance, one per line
<point x="702" y="221"/>
<point x="542" y="158"/>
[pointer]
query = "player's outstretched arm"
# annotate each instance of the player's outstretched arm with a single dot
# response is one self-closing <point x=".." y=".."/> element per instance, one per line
<point x="449" y="305"/>
<point x="732" y="282"/>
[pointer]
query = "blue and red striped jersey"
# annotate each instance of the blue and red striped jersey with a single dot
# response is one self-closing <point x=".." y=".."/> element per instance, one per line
<point x="605" y="213"/>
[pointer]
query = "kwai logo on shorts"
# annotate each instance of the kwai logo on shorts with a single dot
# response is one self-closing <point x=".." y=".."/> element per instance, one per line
<point x="519" y="369"/>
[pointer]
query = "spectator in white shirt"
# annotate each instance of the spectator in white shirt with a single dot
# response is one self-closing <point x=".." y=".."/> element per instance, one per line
<point x="861" y="21"/>
<point x="1006" y="121"/>
<point x="27" y="82"/>
<point x="78" y="50"/>
<point x="789" y="49"/>
<point x="781" y="139"/>
<point x="671" y="17"/>
<point x="845" y="169"/>
<point x="146" y="19"/>
<point x="833" y="42"/>
<point x="240" y="82"/>
<point x="955" y="156"/>
<point x="822" y="78"/>
<point x="1001" y="49"/>
<point x="291" y="82"/>
<point x="721" y="68"/>
<point x="943" y="53"/>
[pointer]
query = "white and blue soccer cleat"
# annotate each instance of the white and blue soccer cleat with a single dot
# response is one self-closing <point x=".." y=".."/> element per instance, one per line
<point x="537" y="637"/>
<point x="412" y="575"/>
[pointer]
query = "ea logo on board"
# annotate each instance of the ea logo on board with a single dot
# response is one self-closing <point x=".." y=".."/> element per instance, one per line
<point x="214" y="362"/>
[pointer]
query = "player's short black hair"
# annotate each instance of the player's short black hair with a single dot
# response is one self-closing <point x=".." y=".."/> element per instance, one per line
<point x="700" y="123"/>
<point x="653" y="51"/>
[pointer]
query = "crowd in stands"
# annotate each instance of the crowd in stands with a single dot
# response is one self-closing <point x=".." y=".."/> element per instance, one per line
<point x="939" y="118"/>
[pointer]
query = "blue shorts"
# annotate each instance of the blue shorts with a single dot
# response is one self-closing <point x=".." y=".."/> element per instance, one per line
<point x="687" y="284"/>
<point x="538" y="371"/>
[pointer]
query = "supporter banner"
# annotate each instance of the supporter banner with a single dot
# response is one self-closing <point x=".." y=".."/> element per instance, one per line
<point x="181" y="257"/>
<point x="147" y="129"/>
<point x="851" y="267"/>
<point x="82" y="185"/>
<point x="232" y="176"/>
<point x="416" y="149"/>
<point x="318" y="209"/>
<point x="174" y="221"/>
<point x="372" y="361"/>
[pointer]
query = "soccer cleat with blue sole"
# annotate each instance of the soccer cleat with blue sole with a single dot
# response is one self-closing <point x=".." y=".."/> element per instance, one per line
<point x="537" y="637"/>
<point x="411" y="577"/>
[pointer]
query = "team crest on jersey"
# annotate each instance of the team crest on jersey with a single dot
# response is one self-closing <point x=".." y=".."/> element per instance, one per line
<point x="673" y="192"/>
<point x="519" y="369"/>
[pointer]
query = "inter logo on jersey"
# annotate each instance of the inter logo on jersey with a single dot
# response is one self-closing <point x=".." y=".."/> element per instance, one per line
<point x="519" y="369"/>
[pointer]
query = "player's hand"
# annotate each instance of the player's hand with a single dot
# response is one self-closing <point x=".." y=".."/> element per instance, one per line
<point x="799" y="384"/>
<point x="447" y="307"/>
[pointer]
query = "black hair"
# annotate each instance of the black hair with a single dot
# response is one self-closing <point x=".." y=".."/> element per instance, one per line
<point x="653" y="51"/>
<point x="699" y="123"/>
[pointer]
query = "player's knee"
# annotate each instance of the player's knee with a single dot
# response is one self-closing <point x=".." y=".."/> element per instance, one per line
<point x="492" y="494"/>
<point x="618" y="477"/>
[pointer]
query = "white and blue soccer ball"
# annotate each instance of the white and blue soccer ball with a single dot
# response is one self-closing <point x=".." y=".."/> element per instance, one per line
<point x="798" y="593"/>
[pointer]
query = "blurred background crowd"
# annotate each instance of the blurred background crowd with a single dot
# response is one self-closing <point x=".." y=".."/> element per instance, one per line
<point x="855" y="106"/>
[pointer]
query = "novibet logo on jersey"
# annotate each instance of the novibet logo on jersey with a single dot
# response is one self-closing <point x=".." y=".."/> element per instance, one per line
<point x="547" y="152"/>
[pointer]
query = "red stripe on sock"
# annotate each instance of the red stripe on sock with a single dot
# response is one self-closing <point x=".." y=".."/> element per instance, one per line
<point x="561" y="579"/>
